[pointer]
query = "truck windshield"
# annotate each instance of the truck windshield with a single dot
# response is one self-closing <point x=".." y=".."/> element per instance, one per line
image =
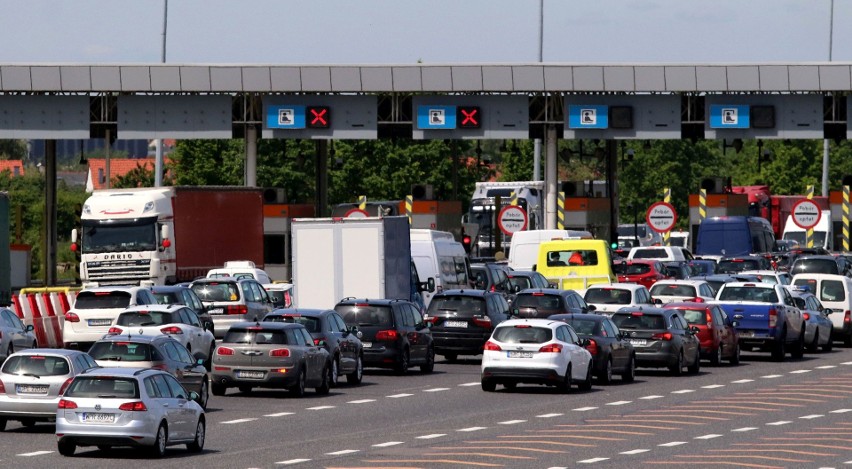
<point x="133" y="235"/>
<point x="799" y="237"/>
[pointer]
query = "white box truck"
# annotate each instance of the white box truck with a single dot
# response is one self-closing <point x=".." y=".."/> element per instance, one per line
<point x="336" y="258"/>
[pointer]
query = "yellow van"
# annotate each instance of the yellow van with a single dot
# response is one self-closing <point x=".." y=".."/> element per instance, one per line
<point x="574" y="264"/>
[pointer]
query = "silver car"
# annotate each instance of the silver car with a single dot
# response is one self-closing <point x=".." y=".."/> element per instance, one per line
<point x="139" y="407"/>
<point x="32" y="381"/>
<point x="14" y="335"/>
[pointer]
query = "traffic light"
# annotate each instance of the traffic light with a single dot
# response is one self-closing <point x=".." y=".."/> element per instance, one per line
<point x="466" y="241"/>
<point x="318" y="117"/>
<point x="468" y="117"/>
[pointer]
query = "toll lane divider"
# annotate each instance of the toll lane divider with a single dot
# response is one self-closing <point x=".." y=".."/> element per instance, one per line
<point x="44" y="309"/>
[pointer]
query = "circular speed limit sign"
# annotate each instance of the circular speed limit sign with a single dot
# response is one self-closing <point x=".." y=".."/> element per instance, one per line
<point x="661" y="217"/>
<point x="511" y="219"/>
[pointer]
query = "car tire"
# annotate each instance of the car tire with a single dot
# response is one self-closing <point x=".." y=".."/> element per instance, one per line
<point x="401" y="367"/>
<point x="695" y="368"/>
<point x="358" y="374"/>
<point x="677" y="368"/>
<point x="489" y="385"/>
<point x="716" y="358"/>
<point x="451" y="357"/>
<point x="325" y="384"/>
<point x="586" y="384"/>
<point x="798" y="350"/>
<point x="564" y="386"/>
<point x="814" y="345"/>
<point x="159" y="448"/>
<point x="334" y="373"/>
<point x="829" y="346"/>
<point x="780" y="349"/>
<point x="429" y="366"/>
<point x="2" y="425"/>
<point x="629" y="374"/>
<point x="209" y="362"/>
<point x="735" y="358"/>
<point x="244" y="388"/>
<point x="204" y="394"/>
<point x="65" y="448"/>
<point x="298" y="389"/>
<point x="606" y="375"/>
<point x="197" y="444"/>
<point x="219" y="389"/>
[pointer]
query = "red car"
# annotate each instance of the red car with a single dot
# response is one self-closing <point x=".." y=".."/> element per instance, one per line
<point x="642" y="271"/>
<point x="718" y="337"/>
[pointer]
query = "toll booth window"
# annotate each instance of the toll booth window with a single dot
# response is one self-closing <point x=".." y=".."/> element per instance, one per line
<point x="275" y="249"/>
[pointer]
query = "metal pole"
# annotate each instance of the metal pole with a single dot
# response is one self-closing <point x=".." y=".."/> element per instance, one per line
<point x="158" y="160"/>
<point x="251" y="156"/>
<point x="537" y="142"/>
<point x="107" y="148"/>
<point x="550" y="178"/>
<point x="825" y="143"/>
<point x="50" y="213"/>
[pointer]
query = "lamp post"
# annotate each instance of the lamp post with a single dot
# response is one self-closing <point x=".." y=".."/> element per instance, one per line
<point x="158" y="160"/>
<point x="825" y="143"/>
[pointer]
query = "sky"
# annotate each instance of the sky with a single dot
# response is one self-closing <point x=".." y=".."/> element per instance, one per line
<point x="435" y="31"/>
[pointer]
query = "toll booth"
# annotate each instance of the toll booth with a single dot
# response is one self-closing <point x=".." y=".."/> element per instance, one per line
<point x="835" y="200"/>
<point x="277" y="250"/>
<point x="590" y="214"/>
<point x="441" y="215"/>
<point x="718" y="205"/>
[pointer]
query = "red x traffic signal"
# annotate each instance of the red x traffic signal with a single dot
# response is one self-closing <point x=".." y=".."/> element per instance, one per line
<point x="318" y="117"/>
<point x="468" y="117"/>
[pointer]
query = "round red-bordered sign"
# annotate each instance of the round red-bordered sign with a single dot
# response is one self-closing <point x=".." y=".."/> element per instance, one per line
<point x="512" y="218"/>
<point x="806" y="214"/>
<point x="356" y="213"/>
<point x="661" y="217"/>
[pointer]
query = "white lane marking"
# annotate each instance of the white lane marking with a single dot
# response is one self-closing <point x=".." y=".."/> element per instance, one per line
<point x="548" y="416"/>
<point x="511" y="422"/>
<point x="389" y="443"/>
<point x="344" y="451"/>
<point x="796" y="372"/>
<point x="812" y="416"/>
<point x="780" y="422"/>
<point x="475" y="383"/>
<point x="840" y="411"/>
<point x="826" y="367"/>
<point x="431" y="436"/>
<point x="279" y="414"/>
<point x="846" y="363"/>
<point x="436" y="389"/>
<point x="471" y="429"/>
<point x="618" y="402"/>
<point x="683" y="391"/>
<point x="673" y="443"/>
<point x="292" y="461"/>
<point x="321" y="407"/>
<point x="744" y="429"/>
<point x="397" y="396"/>
<point x="707" y="437"/>
<point x="35" y="453"/>
<point x="771" y="376"/>
<point x="591" y="461"/>
<point x="361" y="401"/>
<point x="635" y="451"/>
<point x="651" y="397"/>
<point x="228" y="422"/>
<point x="584" y="409"/>
<point x="741" y="381"/>
<point x="713" y="386"/>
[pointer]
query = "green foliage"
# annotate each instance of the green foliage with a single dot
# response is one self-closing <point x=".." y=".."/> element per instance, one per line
<point x="13" y="149"/>
<point x="208" y="162"/>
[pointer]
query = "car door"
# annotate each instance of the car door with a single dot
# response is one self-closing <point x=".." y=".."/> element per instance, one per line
<point x="725" y="332"/>
<point x="185" y="413"/>
<point x="16" y="328"/>
<point x="199" y="339"/>
<point x="619" y="350"/>
<point x="579" y="359"/>
<point x="158" y="388"/>
<point x="347" y="342"/>
<point x="314" y="359"/>
<point x="688" y="340"/>
<point x="186" y="370"/>
<point x="417" y="335"/>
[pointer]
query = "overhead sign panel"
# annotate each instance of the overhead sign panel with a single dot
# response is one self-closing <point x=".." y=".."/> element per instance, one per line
<point x="622" y="116"/>
<point x="201" y="117"/>
<point x="470" y="117"/>
<point x="320" y="117"/>
<point x="436" y="117"/>
<point x="588" y="116"/>
<point x="286" y="116"/>
<point x="729" y="116"/>
<point x="48" y="117"/>
<point x="763" y="116"/>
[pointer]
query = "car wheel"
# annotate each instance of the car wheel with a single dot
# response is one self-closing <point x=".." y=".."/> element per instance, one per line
<point x="716" y="359"/>
<point x="159" y="449"/>
<point x="488" y="385"/>
<point x="325" y="384"/>
<point x="565" y="385"/>
<point x="356" y="376"/>
<point x="510" y="385"/>
<point x="204" y="394"/>
<point x="65" y="448"/>
<point x="402" y="367"/>
<point x="586" y="384"/>
<point x="429" y="366"/>
<point x="830" y="344"/>
<point x="696" y="365"/>
<point x="780" y="349"/>
<point x="629" y="374"/>
<point x="814" y="345"/>
<point x="197" y="444"/>
<point x="606" y="376"/>
<point x="298" y="389"/>
<point x="798" y="350"/>
<point x="209" y="362"/>
<point x="333" y="374"/>
<point x="677" y="368"/>
<point x="219" y="389"/>
<point x="244" y="388"/>
<point x="2" y="425"/>
<point x="451" y="357"/>
<point x="735" y="358"/>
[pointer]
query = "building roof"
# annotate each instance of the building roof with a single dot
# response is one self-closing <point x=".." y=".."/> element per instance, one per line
<point x="117" y="167"/>
<point x="15" y="167"/>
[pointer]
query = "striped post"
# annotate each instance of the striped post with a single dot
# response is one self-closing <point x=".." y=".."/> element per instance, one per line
<point x="845" y="218"/>
<point x="702" y="205"/>
<point x="513" y="198"/>
<point x="560" y="211"/>
<point x="667" y="198"/>
<point x="809" y="233"/>
<point x="362" y="202"/>
<point x="409" y="206"/>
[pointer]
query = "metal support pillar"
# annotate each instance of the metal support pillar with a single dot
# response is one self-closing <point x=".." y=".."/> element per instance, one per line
<point x="550" y="137"/>
<point x="251" y="156"/>
<point x="50" y="213"/>
<point x="454" y="149"/>
<point x="611" y="154"/>
<point x="322" y="178"/>
<point x="107" y="147"/>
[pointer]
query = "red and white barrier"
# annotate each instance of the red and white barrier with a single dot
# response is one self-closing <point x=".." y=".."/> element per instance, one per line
<point x="44" y="309"/>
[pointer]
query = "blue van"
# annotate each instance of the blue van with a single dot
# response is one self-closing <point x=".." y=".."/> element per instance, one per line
<point x="734" y="236"/>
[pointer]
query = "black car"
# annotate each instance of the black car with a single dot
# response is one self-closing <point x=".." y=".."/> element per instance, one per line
<point x="394" y="334"/>
<point x="678" y="270"/>
<point x="491" y="276"/>
<point x="183" y="295"/>
<point x="815" y="264"/>
<point x="328" y="328"/>
<point x="662" y="338"/>
<point x="732" y="265"/>
<point x="542" y="303"/>
<point x="611" y="351"/>
<point x="462" y="320"/>
<point x="524" y="279"/>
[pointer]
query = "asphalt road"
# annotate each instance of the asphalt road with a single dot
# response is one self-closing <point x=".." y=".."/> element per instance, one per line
<point x="760" y="414"/>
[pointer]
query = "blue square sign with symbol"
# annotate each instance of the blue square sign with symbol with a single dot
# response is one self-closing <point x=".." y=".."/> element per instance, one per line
<point x="285" y="116"/>
<point x="436" y="117"/>
<point x="588" y="116"/>
<point x="727" y="116"/>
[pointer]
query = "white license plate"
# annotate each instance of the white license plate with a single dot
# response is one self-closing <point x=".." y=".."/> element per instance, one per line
<point x="640" y="342"/>
<point x="455" y="323"/>
<point x="30" y="389"/>
<point x="367" y="344"/>
<point x="519" y="354"/>
<point x="250" y="374"/>
<point x="100" y="322"/>
<point x="747" y="334"/>
<point x="98" y="418"/>
<point x="216" y="311"/>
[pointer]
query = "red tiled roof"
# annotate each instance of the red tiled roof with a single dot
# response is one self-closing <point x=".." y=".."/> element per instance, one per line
<point x="117" y="167"/>
<point x="10" y="165"/>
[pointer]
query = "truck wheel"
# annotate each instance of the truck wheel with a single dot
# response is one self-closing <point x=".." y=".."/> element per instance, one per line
<point x="799" y="349"/>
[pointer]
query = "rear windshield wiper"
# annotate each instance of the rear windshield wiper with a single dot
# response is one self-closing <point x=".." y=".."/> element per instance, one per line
<point x="114" y="357"/>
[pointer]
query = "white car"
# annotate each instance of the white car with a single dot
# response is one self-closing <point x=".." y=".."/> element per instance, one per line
<point x="177" y="321"/>
<point x="608" y="298"/>
<point x="538" y="351"/>
<point x="771" y="276"/>
<point x="674" y="291"/>
<point x="96" y="309"/>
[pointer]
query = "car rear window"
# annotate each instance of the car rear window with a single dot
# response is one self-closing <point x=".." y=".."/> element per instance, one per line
<point x="248" y="336"/>
<point x="144" y="318"/>
<point x="122" y="351"/>
<point x="766" y="295"/>
<point x="639" y="321"/>
<point x="169" y="298"/>
<point x="543" y="305"/>
<point x="102" y="300"/>
<point x="585" y="327"/>
<point x="695" y="316"/>
<point x="312" y="324"/>
<point x="523" y="335"/>
<point x="217" y="291"/>
<point x="365" y="315"/>
<point x="521" y="283"/>
<point x="631" y="269"/>
<point x="650" y="254"/>
<point x="737" y="265"/>
<point x="103" y="387"/>
<point x="832" y="290"/>
<point x="815" y="266"/>
<point x="38" y="365"/>
<point x="609" y="296"/>
<point x="672" y="290"/>
<point x="457" y="305"/>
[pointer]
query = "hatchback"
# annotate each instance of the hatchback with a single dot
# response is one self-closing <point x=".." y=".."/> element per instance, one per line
<point x="537" y="351"/>
<point x="818" y="327"/>
<point x="733" y="265"/>
<point x="670" y="291"/>
<point x="14" y="335"/>
<point x="328" y="328"/>
<point x="611" y="351"/>
<point x="462" y="320"/>
<point x="230" y="300"/>
<point x="542" y="303"/>
<point x="644" y="272"/>
<point x="608" y="298"/>
<point x="32" y="381"/>
<point x="662" y="338"/>
<point x="96" y="309"/>
<point x="183" y="295"/>
<point x="717" y="335"/>
<point x="491" y="276"/>
<point x="137" y="407"/>
<point x="394" y="333"/>
<point x="522" y="280"/>
<point x="270" y="355"/>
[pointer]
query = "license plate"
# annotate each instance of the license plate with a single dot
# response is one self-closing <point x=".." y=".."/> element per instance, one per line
<point x="250" y="374"/>
<point x="367" y="344"/>
<point x="216" y="311"/>
<point x="640" y="342"/>
<point x="519" y="354"/>
<point x="98" y="418"/>
<point x="455" y="323"/>
<point x="100" y="322"/>
<point x="30" y="389"/>
<point x="746" y="333"/>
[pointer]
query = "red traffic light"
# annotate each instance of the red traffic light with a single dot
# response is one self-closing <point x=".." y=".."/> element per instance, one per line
<point x="318" y="117"/>
<point x="468" y="117"/>
<point x="466" y="242"/>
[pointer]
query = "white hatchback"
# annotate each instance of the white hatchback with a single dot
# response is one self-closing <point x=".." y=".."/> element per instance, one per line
<point x="538" y="351"/>
<point x="608" y="298"/>
<point x="674" y="291"/>
<point x="771" y="276"/>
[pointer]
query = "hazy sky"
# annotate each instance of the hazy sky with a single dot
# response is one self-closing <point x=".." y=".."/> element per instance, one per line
<point x="437" y="31"/>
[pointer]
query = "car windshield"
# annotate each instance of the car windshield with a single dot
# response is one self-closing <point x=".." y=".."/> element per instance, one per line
<point x="522" y="334"/>
<point x="631" y="269"/>
<point x="102" y="300"/>
<point x="103" y="387"/>
<point x="765" y="295"/>
<point x="672" y="290"/>
<point x="737" y="265"/>
<point x="121" y="351"/>
<point x="695" y="316"/>
<point x="457" y="306"/>
<point x="365" y="315"/>
<point x="312" y="324"/>
<point x="217" y="291"/>
<point x="36" y="365"/>
<point x="608" y="296"/>
<point x="543" y="305"/>
<point x="248" y="336"/>
<point x="144" y="318"/>
<point x="639" y="321"/>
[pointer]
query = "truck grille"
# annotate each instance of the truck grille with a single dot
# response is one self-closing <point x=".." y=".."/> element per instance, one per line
<point x="119" y="270"/>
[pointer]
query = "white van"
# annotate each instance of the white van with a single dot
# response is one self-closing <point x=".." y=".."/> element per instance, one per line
<point x="523" y="251"/>
<point x="823" y="232"/>
<point x="834" y="292"/>
<point x="437" y="255"/>
<point x="240" y="269"/>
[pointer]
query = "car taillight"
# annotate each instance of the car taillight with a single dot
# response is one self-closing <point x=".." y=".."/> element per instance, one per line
<point x="807" y="316"/>
<point x="491" y="346"/>
<point x="848" y="318"/>
<point x="160" y="366"/>
<point x="72" y="317"/>
<point x="698" y="299"/>
<point x="708" y="318"/>
<point x="224" y="351"/>
<point x="171" y="330"/>
<point x="2" y="387"/>
<point x="137" y="406"/>
<point x="592" y="347"/>
<point x="493" y="289"/>
<point x="64" y="404"/>
<point x="431" y="319"/>
<point x="64" y="386"/>
<point x="317" y="341"/>
<point x="482" y="321"/>
<point x="662" y="336"/>
<point x="390" y="334"/>
<point x="551" y="348"/>
<point x="236" y="309"/>
<point x="279" y="352"/>
<point x="115" y="330"/>
<point x="773" y="317"/>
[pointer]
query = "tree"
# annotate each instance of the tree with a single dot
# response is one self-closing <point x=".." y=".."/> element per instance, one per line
<point x="13" y="149"/>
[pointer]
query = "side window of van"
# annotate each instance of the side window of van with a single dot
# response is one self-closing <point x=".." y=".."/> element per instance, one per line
<point x="461" y="270"/>
<point x="448" y="270"/>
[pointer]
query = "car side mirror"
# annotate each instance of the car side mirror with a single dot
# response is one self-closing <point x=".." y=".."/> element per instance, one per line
<point x="657" y="301"/>
<point x="199" y="357"/>
<point x="514" y="312"/>
<point x="428" y="285"/>
<point x="29" y="328"/>
<point x="827" y="311"/>
<point x="194" y="396"/>
<point x="735" y="323"/>
<point x="694" y="329"/>
<point x="592" y="307"/>
<point x="584" y="342"/>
